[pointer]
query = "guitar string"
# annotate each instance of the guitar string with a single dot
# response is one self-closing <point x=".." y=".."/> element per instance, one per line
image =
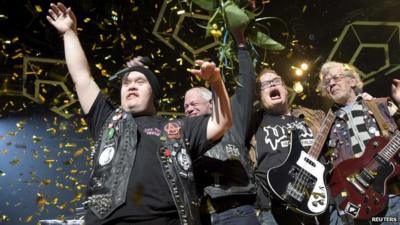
<point x="304" y="174"/>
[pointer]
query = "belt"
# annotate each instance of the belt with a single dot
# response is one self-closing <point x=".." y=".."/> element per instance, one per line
<point x="219" y="205"/>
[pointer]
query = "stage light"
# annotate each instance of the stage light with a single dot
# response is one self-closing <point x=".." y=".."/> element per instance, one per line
<point x="298" y="87"/>
<point x="304" y="66"/>
<point x="298" y="72"/>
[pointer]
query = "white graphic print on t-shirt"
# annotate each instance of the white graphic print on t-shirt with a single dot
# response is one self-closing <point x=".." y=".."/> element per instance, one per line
<point x="278" y="136"/>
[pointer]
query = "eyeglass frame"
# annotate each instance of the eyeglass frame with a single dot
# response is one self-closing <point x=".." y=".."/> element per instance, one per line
<point x="269" y="83"/>
<point x="336" y="78"/>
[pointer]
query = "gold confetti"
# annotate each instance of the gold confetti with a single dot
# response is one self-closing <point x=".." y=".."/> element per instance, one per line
<point x="62" y="206"/>
<point x="99" y="66"/>
<point x="14" y="162"/>
<point x="60" y="185"/>
<point x="5" y="218"/>
<point x="38" y="8"/>
<point x="133" y="37"/>
<point x="45" y="182"/>
<point x="54" y="201"/>
<point x="35" y="154"/>
<point x="51" y="130"/>
<point x="79" y="152"/>
<point x="28" y="219"/>
<point x="20" y="125"/>
<point x="4" y="151"/>
<point x="36" y="139"/>
<point x="70" y="145"/>
<point x="81" y="130"/>
<point x="63" y="126"/>
<point x="41" y="200"/>
<point x="86" y="20"/>
<point x="50" y="162"/>
<point x="45" y="149"/>
<point x="11" y="133"/>
<point x="68" y="162"/>
<point x="76" y="198"/>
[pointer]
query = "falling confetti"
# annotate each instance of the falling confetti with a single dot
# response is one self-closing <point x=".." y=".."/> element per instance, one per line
<point x="14" y="162"/>
<point x="36" y="139"/>
<point x="41" y="200"/>
<point x="50" y="162"/>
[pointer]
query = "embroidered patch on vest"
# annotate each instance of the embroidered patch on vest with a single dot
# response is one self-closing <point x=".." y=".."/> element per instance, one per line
<point x="232" y="151"/>
<point x="184" y="159"/>
<point x="173" y="130"/>
<point x="106" y="156"/>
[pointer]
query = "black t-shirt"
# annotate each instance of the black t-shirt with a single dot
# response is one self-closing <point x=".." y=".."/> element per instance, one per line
<point x="148" y="196"/>
<point x="273" y="144"/>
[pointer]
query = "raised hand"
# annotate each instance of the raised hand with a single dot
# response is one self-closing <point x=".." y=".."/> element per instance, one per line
<point x="396" y="91"/>
<point x="135" y="62"/>
<point x="208" y="71"/>
<point x="62" y="18"/>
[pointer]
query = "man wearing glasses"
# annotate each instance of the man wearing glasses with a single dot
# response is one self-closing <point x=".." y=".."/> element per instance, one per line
<point x="222" y="174"/>
<point x="357" y="121"/>
<point x="273" y="126"/>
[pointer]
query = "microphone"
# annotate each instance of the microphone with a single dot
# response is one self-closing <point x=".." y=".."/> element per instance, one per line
<point x="145" y="60"/>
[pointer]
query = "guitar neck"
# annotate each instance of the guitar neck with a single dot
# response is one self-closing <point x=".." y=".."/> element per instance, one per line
<point x="319" y="140"/>
<point x="392" y="147"/>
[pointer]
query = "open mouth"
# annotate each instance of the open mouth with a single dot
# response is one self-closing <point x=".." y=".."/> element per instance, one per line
<point x="275" y="94"/>
<point x="132" y="95"/>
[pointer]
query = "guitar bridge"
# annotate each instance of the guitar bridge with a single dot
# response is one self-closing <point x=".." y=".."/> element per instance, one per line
<point x="362" y="181"/>
<point x="294" y="193"/>
<point x="353" y="181"/>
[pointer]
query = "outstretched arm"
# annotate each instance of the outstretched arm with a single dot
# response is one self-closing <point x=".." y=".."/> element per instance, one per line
<point x="221" y="117"/>
<point x="242" y="101"/>
<point x="64" y="20"/>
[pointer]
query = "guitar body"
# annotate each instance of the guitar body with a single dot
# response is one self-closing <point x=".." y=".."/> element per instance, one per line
<point x="358" y="185"/>
<point x="299" y="181"/>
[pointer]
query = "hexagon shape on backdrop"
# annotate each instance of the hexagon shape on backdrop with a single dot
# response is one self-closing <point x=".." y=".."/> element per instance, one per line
<point x="373" y="47"/>
<point x="172" y="32"/>
<point x="43" y="82"/>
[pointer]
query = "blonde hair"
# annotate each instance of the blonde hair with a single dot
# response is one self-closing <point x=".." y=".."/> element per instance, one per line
<point x="350" y="71"/>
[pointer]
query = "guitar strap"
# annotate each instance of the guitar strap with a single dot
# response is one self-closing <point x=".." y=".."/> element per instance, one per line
<point x="385" y="126"/>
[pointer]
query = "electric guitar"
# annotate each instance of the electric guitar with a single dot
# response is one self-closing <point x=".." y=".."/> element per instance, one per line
<point x="359" y="184"/>
<point x="300" y="180"/>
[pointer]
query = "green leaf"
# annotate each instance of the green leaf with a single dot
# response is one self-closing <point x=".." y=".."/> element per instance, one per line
<point x="264" y="41"/>
<point x="236" y="18"/>
<point x="209" y="5"/>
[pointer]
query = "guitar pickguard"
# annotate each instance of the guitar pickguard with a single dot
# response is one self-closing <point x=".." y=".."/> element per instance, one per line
<point x="299" y="181"/>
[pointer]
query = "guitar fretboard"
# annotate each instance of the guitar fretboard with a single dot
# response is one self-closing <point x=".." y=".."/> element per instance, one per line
<point x="392" y="147"/>
<point x="319" y="140"/>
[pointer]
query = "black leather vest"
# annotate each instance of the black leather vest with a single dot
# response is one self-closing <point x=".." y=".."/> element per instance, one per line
<point x="113" y="164"/>
<point x="177" y="168"/>
<point x="116" y="151"/>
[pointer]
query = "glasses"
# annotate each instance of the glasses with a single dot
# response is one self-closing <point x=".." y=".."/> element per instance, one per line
<point x="336" y="78"/>
<point x="269" y="83"/>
